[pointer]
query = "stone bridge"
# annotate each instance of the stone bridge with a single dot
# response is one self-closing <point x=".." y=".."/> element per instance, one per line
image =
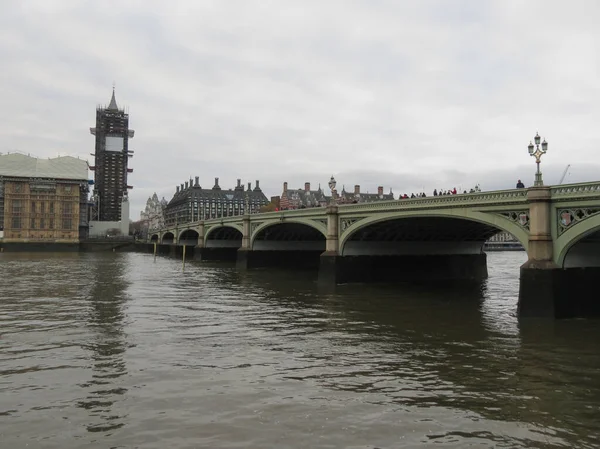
<point x="431" y="238"/>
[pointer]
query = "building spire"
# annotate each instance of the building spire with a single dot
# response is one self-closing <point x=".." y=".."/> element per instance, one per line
<point x="113" y="102"/>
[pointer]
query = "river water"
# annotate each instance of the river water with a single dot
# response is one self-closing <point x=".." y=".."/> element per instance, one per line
<point x="106" y="350"/>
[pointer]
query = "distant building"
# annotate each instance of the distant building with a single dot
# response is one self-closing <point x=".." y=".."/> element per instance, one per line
<point x="502" y="237"/>
<point x="276" y="202"/>
<point x="301" y="198"/>
<point x="358" y="197"/>
<point x="193" y="203"/>
<point x="154" y="213"/>
<point x="111" y="157"/>
<point x="43" y="199"/>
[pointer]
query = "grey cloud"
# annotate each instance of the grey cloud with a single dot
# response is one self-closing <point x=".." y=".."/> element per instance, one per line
<point x="410" y="95"/>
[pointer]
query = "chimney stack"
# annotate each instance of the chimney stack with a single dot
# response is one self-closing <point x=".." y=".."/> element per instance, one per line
<point x="249" y="186"/>
<point x="182" y="187"/>
<point x="357" y="189"/>
<point x="176" y="189"/>
<point x="239" y="183"/>
<point x="307" y="186"/>
<point x="197" y="181"/>
<point x="380" y="190"/>
<point x="285" y="186"/>
<point x="186" y="185"/>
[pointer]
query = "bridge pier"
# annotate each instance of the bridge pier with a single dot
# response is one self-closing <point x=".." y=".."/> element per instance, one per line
<point x="546" y="290"/>
<point x="243" y="255"/>
<point x="540" y="277"/>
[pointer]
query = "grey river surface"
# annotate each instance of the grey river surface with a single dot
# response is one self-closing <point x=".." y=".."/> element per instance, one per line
<point x="114" y="350"/>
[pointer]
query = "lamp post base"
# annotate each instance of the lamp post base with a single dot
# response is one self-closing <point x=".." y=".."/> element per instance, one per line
<point x="538" y="180"/>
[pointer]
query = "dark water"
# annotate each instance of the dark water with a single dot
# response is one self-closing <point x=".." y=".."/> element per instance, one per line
<point x="115" y="350"/>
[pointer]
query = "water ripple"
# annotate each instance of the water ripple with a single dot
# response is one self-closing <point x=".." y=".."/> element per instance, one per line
<point x="119" y="350"/>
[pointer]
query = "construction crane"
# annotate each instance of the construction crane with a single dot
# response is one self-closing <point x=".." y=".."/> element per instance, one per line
<point x="562" y="178"/>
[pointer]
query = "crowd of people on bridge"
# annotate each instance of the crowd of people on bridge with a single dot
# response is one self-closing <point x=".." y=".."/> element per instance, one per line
<point x="440" y="192"/>
<point x="436" y="192"/>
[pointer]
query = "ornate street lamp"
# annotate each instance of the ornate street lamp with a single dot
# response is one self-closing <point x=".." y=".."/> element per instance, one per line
<point x="332" y="187"/>
<point x="538" y="155"/>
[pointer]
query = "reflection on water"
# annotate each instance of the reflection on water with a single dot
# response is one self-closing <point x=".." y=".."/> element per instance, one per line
<point x="115" y="350"/>
<point x="107" y="296"/>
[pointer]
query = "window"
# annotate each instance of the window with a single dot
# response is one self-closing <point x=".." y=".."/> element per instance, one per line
<point x="17" y="188"/>
<point x="16" y="222"/>
<point x="67" y="189"/>
<point x="67" y="223"/>
<point x="33" y="223"/>
<point x="51" y="207"/>
<point x="51" y="223"/>
<point x="16" y="206"/>
<point x="42" y="223"/>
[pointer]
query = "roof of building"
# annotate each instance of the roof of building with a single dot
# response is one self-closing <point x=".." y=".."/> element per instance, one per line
<point x="366" y="197"/>
<point x="218" y="194"/>
<point x="113" y="102"/>
<point x="306" y="197"/>
<point x="62" y="167"/>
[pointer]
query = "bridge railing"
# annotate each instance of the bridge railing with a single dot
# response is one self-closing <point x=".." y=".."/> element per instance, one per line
<point x="468" y="199"/>
<point x="581" y="189"/>
<point x="498" y="197"/>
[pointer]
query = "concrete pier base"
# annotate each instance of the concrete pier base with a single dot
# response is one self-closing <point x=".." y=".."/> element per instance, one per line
<point x="553" y="292"/>
<point x="330" y="269"/>
<point x="337" y="269"/>
<point x="297" y="260"/>
<point x="215" y="254"/>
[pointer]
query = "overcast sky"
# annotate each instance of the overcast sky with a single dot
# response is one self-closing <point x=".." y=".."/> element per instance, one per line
<point x="410" y="95"/>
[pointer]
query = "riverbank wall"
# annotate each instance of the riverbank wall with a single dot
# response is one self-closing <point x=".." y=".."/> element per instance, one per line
<point x="83" y="246"/>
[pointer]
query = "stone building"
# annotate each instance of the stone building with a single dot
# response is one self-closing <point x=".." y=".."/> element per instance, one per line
<point x="359" y="197"/>
<point x="43" y="199"/>
<point x="193" y="203"/>
<point x="153" y="215"/>
<point x="302" y="198"/>
<point x="502" y="237"/>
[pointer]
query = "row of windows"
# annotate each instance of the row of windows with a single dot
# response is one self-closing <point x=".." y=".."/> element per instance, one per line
<point x="67" y="223"/>
<point x="18" y="188"/>
<point x="41" y="207"/>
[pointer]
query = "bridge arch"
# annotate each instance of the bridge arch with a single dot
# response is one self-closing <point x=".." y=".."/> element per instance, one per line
<point x="154" y="238"/>
<point x="474" y="226"/>
<point x="291" y="234"/>
<point x="189" y="237"/>
<point x="566" y="245"/>
<point x="223" y="236"/>
<point x="168" y="238"/>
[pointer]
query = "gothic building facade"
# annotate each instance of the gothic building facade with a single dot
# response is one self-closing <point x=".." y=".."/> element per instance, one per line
<point x="153" y="215"/>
